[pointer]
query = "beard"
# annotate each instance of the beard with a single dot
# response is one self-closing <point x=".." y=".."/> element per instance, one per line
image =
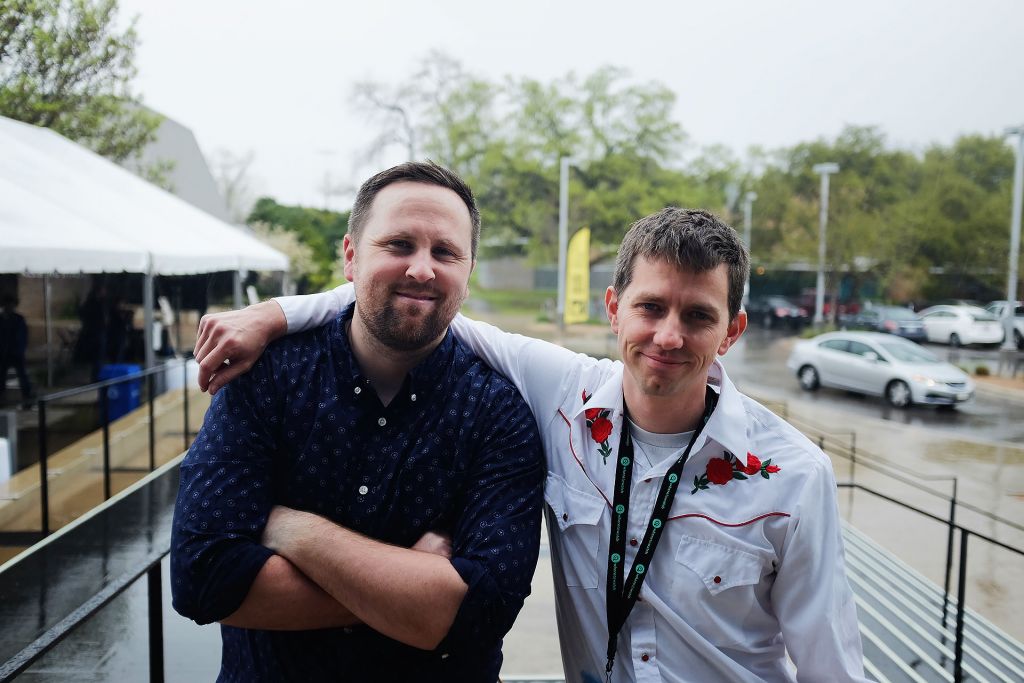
<point x="402" y="330"/>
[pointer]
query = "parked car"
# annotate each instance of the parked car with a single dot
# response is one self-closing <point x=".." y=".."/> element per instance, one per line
<point x="998" y="309"/>
<point x="776" y="311"/>
<point x="880" y="365"/>
<point x="897" y="320"/>
<point x="961" y="325"/>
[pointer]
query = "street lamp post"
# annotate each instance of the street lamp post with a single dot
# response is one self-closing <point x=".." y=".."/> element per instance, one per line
<point x="748" y="201"/>
<point x="1018" y="196"/>
<point x="825" y="170"/>
<point x="563" y="236"/>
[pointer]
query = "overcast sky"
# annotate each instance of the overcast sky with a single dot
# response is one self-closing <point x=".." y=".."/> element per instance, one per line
<point x="273" y="77"/>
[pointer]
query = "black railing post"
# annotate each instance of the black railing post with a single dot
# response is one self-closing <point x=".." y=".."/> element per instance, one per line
<point x="44" y="483"/>
<point x="821" y="442"/>
<point x="184" y="371"/>
<point x="105" y="416"/>
<point x="156" y="624"/>
<point x="949" y="557"/>
<point x="961" y="589"/>
<point x="151" y="391"/>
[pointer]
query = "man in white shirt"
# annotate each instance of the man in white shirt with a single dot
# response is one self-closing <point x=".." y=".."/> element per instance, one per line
<point x="704" y="546"/>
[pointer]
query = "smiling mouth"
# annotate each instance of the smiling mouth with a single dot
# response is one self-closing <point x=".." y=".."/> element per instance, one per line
<point x="662" y="360"/>
<point x="416" y="296"/>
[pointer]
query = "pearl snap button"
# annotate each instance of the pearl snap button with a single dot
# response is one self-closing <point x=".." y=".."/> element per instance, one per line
<point x="413" y="397"/>
<point x="358" y="390"/>
<point x="363" y="490"/>
<point x="382" y="422"/>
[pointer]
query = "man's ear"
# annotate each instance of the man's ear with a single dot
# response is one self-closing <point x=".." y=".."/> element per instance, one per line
<point x="611" y="307"/>
<point x="736" y="328"/>
<point x="348" y="248"/>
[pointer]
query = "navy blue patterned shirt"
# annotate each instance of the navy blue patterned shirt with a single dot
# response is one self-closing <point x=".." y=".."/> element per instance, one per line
<point x="456" y="450"/>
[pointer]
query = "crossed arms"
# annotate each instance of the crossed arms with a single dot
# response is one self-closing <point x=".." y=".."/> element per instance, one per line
<point x="240" y="560"/>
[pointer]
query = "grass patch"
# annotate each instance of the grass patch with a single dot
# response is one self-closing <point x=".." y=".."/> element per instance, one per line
<point x="812" y="331"/>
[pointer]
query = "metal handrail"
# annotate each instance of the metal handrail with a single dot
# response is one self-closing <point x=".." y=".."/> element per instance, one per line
<point x="103" y="387"/>
<point x="965" y="534"/>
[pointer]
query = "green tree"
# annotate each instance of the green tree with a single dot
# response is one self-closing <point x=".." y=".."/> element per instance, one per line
<point x="64" y="65"/>
<point x="319" y="230"/>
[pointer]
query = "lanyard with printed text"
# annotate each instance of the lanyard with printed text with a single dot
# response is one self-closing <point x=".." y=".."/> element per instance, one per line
<point x="622" y="594"/>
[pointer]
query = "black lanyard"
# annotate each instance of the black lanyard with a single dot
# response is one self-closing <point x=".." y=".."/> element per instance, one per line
<point x="621" y="595"/>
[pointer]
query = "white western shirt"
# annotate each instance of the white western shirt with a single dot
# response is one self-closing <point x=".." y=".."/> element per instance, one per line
<point x="750" y="565"/>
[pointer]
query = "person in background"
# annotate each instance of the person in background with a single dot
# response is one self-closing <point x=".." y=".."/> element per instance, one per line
<point x="13" y="343"/>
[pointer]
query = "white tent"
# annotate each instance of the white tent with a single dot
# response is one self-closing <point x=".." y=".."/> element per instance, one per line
<point x="65" y="209"/>
<point x="70" y="197"/>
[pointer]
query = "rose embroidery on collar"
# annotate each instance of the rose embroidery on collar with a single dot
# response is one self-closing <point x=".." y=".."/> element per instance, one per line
<point x="723" y="470"/>
<point x="600" y="427"/>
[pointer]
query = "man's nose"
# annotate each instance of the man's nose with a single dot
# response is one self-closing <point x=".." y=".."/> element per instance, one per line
<point x="421" y="267"/>
<point x="670" y="334"/>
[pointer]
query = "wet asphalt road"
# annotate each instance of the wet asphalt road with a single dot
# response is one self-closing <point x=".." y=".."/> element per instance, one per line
<point x="758" y="365"/>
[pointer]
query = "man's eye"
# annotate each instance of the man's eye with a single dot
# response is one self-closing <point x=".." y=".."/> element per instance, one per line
<point x="399" y="244"/>
<point x="649" y="307"/>
<point x="441" y="252"/>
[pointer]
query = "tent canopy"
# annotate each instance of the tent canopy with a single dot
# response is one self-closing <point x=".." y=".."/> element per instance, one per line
<point x="64" y="209"/>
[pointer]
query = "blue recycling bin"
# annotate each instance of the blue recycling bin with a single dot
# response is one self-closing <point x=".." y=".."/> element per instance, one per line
<point x="124" y="397"/>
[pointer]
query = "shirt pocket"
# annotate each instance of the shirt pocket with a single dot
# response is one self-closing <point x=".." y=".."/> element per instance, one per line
<point x="577" y="515"/>
<point x="717" y="588"/>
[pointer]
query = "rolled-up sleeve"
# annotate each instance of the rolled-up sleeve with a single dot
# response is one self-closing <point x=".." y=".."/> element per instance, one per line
<point x="496" y="539"/>
<point x="224" y="498"/>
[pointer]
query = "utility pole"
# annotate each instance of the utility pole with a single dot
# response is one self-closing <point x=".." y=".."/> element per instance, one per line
<point x="825" y="170"/>
<point x="563" y="236"/>
<point x="1011" y="280"/>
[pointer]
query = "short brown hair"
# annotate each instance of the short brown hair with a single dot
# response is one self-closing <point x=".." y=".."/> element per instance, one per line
<point x="416" y="172"/>
<point x="686" y="238"/>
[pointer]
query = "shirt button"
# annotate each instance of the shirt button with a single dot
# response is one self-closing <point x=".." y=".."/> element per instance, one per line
<point x="363" y="490"/>
<point x="347" y="629"/>
<point x="565" y="516"/>
<point x="644" y="657"/>
<point x="413" y="397"/>
<point x="633" y="542"/>
<point x="382" y="422"/>
<point x="358" y="390"/>
<point x="718" y="579"/>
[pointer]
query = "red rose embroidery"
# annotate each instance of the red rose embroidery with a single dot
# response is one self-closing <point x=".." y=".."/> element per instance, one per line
<point x="601" y="429"/>
<point x="723" y="470"/>
<point x="719" y="471"/>
<point x="592" y="413"/>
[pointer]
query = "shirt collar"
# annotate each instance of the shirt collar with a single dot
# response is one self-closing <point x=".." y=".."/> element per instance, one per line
<point x="727" y="426"/>
<point x="429" y="373"/>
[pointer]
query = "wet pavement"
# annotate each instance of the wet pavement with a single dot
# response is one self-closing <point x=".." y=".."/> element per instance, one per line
<point x="982" y="444"/>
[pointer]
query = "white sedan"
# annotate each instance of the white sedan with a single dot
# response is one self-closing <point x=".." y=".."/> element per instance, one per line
<point x="881" y="365"/>
<point x="961" y="325"/>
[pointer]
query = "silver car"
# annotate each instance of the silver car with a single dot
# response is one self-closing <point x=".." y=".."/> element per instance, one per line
<point x="881" y="365"/>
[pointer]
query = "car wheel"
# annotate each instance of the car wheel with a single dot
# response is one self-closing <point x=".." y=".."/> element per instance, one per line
<point x="1018" y="339"/>
<point x="954" y="340"/>
<point x="808" y="377"/>
<point x="897" y="393"/>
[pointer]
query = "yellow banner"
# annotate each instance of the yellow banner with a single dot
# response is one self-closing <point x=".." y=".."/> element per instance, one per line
<point x="577" y="278"/>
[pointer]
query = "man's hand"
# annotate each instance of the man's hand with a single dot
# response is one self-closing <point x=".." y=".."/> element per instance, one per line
<point x="230" y="342"/>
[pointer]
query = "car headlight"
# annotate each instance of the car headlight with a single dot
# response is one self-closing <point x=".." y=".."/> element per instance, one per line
<point x="927" y="381"/>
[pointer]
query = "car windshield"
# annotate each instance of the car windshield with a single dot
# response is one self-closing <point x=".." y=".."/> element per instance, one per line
<point x="909" y="353"/>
